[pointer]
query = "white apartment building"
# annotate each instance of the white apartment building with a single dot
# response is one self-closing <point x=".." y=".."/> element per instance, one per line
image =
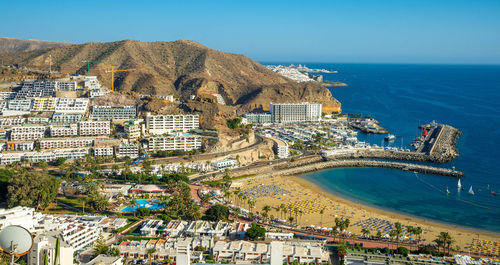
<point x="11" y="121"/>
<point x="250" y="252"/>
<point x="280" y="148"/>
<point x="161" y="124"/>
<point x="74" y="142"/>
<point x="151" y="227"/>
<point x="19" y="146"/>
<point x="44" y="104"/>
<point x="205" y="228"/>
<point x="27" y="133"/>
<point x="9" y="158"/>
<point x="45" y="245"/>
<point x="88" y="128"/>
<point x="165" y="249"/>
<point x="132" y="129"/>
<point x="71" y="153"/>
<point x="36" y="157"/>
<point x="37" y="120"/>
<point x="63" y="118"/>
<point x="67" y="86"/>
<point x="4" y="95"/>
<point x="79" y="234"/>
<point x="103" y="151"/>
<point x="37" y="88"/>
<point x="23" y="216"/>
<point x="63" y="130"/>
<point x="295" y="112"/>
<point x="72" y="105"/>
<point x="183" y="142"/>
<point x="226" y="163"/>
<point x="127" y="150"/>
<point x="105" y="260"/>
<point x="19" y="105"/>
<point x="113" y="112"/>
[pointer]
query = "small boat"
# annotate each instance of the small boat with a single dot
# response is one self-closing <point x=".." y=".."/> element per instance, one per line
<point x="447" y="191"/>
<point x="493" y="192"/>
<point x="459" y="184"/>
<point x="471" y="191"/>
<point x="390" y="137"/>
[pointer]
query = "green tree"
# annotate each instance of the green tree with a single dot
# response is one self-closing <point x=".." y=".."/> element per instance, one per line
<point x="32" y="189"/>
<point x="100" y="246"/>
<point x="217" y="213"/>
<point x="234" y="123"/>
<point x="59" y="161"/>
<point x="418" y="233"/>
<point x="143" y="211"/>
<point x="255" y="232"/>
<point x="403" y="251"/>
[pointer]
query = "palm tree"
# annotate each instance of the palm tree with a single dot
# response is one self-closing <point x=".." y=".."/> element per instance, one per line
<point x="282" y="208"/>
<point x="321" y="212"/>
<point x="290" y="219"/>
<point x="439" y="243"/>
<point x="398" y="230"/>
<point x="134" y="204"/>
<point x="266" y="209"/>
<point x="342" y="250"/>
<point x="296" y="211"/>
<point x="418" y="232"/>
<point x="365" y="232"/>
<point x="445" y="241"/>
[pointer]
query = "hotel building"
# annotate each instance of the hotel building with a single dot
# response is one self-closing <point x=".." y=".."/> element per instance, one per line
<point x="295" y="112"/>
<point x="27" y="133"/>
<point x="160" y="124"/>
<point x="92" y="128"/>
<point x="183" y="142"/>
<point x="63" y="130"/>
<point x="113" y="112"/>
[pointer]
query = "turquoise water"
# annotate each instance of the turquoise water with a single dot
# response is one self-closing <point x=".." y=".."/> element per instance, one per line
<point x="403" y="96"/>
<point x="143" y="203"/>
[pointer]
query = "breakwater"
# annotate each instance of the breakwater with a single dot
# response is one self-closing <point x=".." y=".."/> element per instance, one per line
<point x="367" y="163"/>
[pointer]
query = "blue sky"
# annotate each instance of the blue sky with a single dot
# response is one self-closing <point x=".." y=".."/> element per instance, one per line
<point x="375" y="31"/>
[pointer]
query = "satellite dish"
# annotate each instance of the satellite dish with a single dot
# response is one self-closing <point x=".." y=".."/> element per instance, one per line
<point x="15" y="240"/>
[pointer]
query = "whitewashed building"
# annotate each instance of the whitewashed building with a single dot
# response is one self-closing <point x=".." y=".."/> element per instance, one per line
<point x="183" y="142"/>
<point x="161" y="124"/>
<point x="63" y="130"/>
<point x="89" y="128"/>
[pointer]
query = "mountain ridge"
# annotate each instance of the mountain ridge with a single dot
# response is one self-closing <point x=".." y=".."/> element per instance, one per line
<point x="182" y="68"/>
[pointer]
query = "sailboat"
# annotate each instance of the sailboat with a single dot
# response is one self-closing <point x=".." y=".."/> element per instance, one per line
<point x="471" y="192"/>
<point x="459" y="184"/>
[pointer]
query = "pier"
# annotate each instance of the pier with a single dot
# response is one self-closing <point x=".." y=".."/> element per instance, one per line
<point x="440" y="143"/>
<point x="369" y="163"/>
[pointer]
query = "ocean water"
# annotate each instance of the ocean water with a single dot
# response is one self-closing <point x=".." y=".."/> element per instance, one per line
<point x="403" y="96"/>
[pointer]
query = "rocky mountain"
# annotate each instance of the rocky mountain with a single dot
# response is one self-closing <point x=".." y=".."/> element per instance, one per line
<point x="182" y="68"/>
<point x="21" y="45"/>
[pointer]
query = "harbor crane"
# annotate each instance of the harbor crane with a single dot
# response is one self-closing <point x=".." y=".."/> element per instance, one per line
<point x="113" y="71"/>
<point x="88" y="64"/>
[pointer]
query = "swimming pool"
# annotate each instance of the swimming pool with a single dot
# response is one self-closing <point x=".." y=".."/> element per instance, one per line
<point x="152" y="205"/>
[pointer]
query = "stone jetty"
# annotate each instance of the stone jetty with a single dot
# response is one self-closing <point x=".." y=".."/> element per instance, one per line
<point x="369" y="163"/>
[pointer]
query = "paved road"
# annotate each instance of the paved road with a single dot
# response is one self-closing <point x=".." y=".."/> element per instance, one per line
<point x="206" y="156"/>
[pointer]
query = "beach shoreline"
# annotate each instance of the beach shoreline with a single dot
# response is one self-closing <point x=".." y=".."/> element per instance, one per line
<point x="314" y="186"/>
<point x="305" y="192"/>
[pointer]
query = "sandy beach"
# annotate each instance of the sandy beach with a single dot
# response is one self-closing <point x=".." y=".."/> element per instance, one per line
<point x="310" y="199"/>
